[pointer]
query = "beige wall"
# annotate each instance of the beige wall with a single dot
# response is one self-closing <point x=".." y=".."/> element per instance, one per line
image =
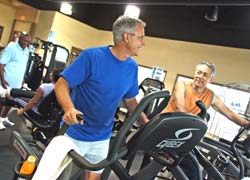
<point x="70" y="32"/>
<point x="104" y="38"/>
<point x="23" y="26"/>
<point x="181" y="57"/>
<point x="44" y="24"/>
<point x="6" y="20"/>
<point x="12" y="12"/>
<point x="28" y="13"/>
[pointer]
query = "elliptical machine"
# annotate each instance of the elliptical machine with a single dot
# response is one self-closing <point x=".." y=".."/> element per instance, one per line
<point x="147" y="86"/>
<point x="174" y="134"/>
<point x="230" y="158"/>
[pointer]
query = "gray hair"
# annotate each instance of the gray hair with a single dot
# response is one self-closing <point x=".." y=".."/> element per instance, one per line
<point x="210" y="65"/>
<point x="125" y="24"/>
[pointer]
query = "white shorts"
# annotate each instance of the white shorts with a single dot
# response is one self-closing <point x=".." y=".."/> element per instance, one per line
<point x="94" y="152"/>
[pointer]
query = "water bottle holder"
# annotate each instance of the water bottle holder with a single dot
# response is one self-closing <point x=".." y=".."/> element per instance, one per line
<point x="17" y="171"/>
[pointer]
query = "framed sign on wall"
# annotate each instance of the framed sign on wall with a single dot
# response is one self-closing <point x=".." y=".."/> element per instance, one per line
<point x="151" y="72"/>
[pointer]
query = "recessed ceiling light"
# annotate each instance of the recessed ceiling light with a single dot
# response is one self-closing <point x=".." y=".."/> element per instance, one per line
<point x="132" y="11"/>
<point x="66" y="8"/>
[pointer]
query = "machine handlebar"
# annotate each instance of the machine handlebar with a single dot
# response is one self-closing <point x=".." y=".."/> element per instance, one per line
<point x="64" y="127"/>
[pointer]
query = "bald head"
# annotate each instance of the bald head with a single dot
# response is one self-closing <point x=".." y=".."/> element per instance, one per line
<point x="24" y="40"/>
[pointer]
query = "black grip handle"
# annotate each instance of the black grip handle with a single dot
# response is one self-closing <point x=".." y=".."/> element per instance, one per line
<point x="64" y="127"/>
<point x="203" y="109"/>
<point x="16" y="92"/>
<point x="79" y="117"/>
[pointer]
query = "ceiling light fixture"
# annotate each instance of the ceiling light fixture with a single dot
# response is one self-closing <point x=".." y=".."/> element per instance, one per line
<point x="66" y="8"/>
<point x="212" y="14"/>
<point x="132" y="11"/>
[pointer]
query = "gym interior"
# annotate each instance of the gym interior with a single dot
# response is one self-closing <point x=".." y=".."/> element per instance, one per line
<point x="179" y="35"/>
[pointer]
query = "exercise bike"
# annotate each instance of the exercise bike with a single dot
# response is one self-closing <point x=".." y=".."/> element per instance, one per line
<point x="45" y="123"/>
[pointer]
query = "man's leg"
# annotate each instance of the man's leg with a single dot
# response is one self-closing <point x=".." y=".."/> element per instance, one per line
<point x="94" y="152"/>
<point x="99" y="151"/>
<point x="1" y="109"/>
<point x="4" y="119"/>
<point x="5" y="110"/>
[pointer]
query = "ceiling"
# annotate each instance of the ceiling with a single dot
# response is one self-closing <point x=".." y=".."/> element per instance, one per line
<point x="177" y="19"/>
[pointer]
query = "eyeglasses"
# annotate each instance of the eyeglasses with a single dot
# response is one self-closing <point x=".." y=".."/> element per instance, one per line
<point x="137" y="37"/>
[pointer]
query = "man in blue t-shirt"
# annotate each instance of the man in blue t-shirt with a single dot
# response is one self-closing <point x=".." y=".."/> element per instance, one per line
<point x="98" y="80"/>
<point x="12" y="68"/>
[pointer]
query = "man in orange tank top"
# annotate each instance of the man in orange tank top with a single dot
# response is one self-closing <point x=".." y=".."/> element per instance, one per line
<point x="186" y="94"/>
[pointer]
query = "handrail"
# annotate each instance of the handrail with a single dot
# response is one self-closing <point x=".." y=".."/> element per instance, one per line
<point x="236" y="152"/>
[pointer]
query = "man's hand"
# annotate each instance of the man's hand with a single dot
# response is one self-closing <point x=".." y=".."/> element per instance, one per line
<point x="4" y="84"/>
<point x="143" y="118"/>
<point x="246" y="123"/>
<point x="20" y="112"/>
<point x="70" y="116"/>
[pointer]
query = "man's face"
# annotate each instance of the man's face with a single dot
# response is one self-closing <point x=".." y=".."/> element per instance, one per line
<point x="202" y="76"/>
<point x="136" y="40"/>
<point x="24" y="41"/>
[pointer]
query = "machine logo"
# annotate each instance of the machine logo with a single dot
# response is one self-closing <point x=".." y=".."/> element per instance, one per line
<point x="176" y="143"/>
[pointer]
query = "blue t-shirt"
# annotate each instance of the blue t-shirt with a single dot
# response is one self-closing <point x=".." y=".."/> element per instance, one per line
<point x="15" y="59"/>
<point x="99" y="81"/>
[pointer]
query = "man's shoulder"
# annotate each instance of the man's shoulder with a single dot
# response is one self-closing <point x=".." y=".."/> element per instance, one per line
<point x="96" y="49"/>
<point x="210" y="90"/>
<point x="11" y="44"/>
<point x="10" y="47"/>
<point x="132" y="61"/>
<point x="15" y="47"/>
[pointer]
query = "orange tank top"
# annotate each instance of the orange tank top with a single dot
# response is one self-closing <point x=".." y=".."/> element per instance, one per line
<point x="190" y="98"/>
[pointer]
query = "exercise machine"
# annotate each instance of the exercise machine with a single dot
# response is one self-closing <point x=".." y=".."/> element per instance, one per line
<point x="230" y="158"/>
<point x="147" y="86"/>
<point x="39" y="68"/>
<point x="46" y="122"/>
<point x="172" y="134"/>
<point x="167" y="138"/>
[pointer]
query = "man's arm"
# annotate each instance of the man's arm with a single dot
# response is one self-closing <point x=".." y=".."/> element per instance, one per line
<point x="219" y="106"/>
<point x="62" y="91"/>
<point x="131" y="104"/>
<point x="3" y="81"/>
<point x="179" y="96"/>
<point x="32" y="102"/>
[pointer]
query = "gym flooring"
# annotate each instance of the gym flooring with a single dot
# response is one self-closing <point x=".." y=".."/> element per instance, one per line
<point x="8" y="155"/>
